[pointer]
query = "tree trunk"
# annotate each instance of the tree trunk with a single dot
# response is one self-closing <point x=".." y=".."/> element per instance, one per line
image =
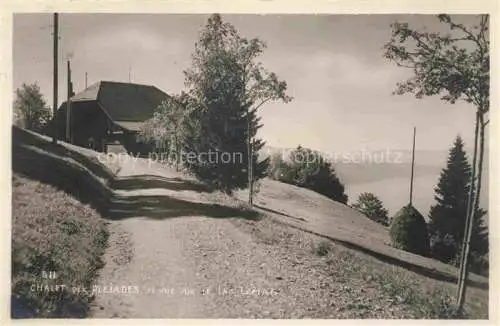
<point x="471" y="210"/>
<point x="250" y="161"/>
<point x="177" y="155"/>
<point x="480" y="165"/>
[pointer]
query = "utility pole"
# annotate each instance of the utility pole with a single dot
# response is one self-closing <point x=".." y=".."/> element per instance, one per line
<point x="68" y="105"/>
<point x="412" y="165"/>
<point x="54" y="107"/>
<point x="85" y="80"/>
<point x="250" y="160"/>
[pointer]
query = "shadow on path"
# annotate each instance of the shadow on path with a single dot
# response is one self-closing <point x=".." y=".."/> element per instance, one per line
<point x="146" y="181"/>
<point x="163" y="207"/>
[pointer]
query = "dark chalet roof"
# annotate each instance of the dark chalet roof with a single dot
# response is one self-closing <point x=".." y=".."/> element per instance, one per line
<point x="127" y="104"/>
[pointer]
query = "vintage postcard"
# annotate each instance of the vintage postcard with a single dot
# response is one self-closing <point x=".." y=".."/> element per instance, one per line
<point x="251" y="165"/>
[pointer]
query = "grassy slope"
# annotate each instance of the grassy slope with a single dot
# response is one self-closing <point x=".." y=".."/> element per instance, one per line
<point x="351" y="284"/>
<point x="307" y="210"/>
<point x="52" y="229"/>
<point x="73" y="169"/>
<point x="397" y="271"/>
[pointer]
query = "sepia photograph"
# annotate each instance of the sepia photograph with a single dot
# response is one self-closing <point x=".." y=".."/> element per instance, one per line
<point x="257" y="166"/>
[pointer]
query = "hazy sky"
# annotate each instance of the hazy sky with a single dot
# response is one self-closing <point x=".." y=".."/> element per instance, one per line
<point x="333" y="65"/>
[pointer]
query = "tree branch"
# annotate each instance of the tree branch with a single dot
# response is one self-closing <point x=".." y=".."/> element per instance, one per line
<point x="433" y="50"/>
<point x="463" y="29"/>
<point x="262" y="103"/>
<point x="406" y="66"/>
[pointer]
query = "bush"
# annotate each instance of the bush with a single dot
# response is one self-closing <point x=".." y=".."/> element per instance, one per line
<point x="444" y="247"/>
<point x="322" y="248"/>
<point x="278" y="169"/>
<point x="286" y="174"/>
<point x="479" y="264"/>
<point x="308" y="169"/>
<point x="372" y="207"/>
<point x="408" y="231"/>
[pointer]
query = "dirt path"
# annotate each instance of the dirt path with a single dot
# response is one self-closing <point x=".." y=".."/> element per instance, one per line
<point x="187" y="266"/>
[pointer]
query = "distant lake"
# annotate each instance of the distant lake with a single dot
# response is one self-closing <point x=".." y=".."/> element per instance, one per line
<point x="394" y="191"/>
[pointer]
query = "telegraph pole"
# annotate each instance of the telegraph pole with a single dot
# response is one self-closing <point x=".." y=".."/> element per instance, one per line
<point x="250" y="160"/>
<point x="85" y="80"/>
<point x="412" y="165"/>
<point x="68" y="105"/>
<point x="54" y="107"/>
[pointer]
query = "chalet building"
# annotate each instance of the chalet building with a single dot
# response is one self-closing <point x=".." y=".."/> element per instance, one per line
<point x="110" y="113"/>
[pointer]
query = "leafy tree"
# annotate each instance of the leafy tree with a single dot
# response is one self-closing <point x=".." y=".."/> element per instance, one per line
<point x="30" y="109"/>
<point x="308" y="169"/>
<point x="226" y="86"/>
<point x="371" y="206"/>
<point x="168" y="128"/>
<point x="456" y="66"/>
<point x="448" y="215"/>
<point x="408" y="231"/>
<point x="280" y="170"/>
<point x="275" y="166"/>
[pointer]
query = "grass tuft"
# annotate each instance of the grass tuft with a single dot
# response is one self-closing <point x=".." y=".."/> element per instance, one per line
<point x="322" y="248"/>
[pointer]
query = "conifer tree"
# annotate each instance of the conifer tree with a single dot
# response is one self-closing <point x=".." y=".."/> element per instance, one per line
<point x="372" y="207"/>
<point x="448" y="215"/>
<point x="226" y="87"/>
